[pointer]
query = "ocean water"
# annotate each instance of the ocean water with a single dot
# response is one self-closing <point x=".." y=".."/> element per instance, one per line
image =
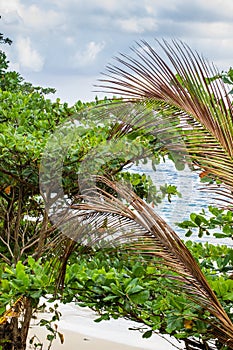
<point x="194" y="197"/>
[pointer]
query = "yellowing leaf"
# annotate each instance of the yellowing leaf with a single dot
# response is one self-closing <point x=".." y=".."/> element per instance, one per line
<point x="7" y="190"/>
<point x="188" y="324"/>
<point x="61" y="336"/>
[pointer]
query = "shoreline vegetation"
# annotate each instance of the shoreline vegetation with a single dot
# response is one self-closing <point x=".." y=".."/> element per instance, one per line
<point x="77" y="227"/>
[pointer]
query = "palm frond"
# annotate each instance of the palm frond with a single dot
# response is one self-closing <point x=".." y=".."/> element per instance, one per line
<point x="190" y="114"/>
<point x="127" y="222"/>
<point x="180" y="88"/>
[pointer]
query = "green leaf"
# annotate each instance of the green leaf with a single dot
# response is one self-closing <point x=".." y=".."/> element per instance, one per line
<point x="103" y="317"/>
<point x="220" y="235"/>
<point x="50" y="337"/>
<point x="134" y="289"/>
<point x="147" y="334"/>
<point x="174" y="323"/>
<point x="36" y="295"/>
<point x="111" y="297"/>
<point x="188" y="233"/>
<point x="141" y="297"/>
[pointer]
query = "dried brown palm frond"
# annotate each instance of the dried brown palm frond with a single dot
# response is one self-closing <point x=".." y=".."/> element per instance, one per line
<point x="189" y="115"/>
<point x="127" y="221"/>
<point x="180" y="86"/>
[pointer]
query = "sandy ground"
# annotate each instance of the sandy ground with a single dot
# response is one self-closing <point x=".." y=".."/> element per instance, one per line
<point x="82" y="333"/>
<point x="77" y="341"/>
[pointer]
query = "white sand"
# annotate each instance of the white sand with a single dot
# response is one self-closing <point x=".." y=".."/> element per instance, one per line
<point x="82" y="333"/>
<point x="74" y="341"/>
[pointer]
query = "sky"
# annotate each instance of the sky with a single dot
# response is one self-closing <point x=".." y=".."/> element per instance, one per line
<point x="66" y="44"/>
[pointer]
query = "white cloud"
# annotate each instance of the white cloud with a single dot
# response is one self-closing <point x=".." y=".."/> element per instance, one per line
<point x="29" y="57"/>
<point x="7" y="6"/>
<point x="33" y="16"/>
<point x="70" y="40"/>
<point x="42" y="20"/>
<point x="215" y="30"/>
<point x="10" y="13"/>
<point x="116" y="7"/>
<point x="219" y="7"/>
<point x="152" y="7"/>
<point x="110" y="6"/>
<point x="138" y="25"/>
<point x="11" y="18"/>
<point x="89" y="55"/>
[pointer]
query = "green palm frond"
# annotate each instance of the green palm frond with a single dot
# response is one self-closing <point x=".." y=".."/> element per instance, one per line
<point x="181" y="88"/>
<point x="125" y="221"/>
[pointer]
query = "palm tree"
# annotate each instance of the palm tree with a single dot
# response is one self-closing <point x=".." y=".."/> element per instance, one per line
<point x="194" y="115"/>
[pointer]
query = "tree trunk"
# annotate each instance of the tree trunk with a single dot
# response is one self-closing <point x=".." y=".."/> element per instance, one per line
<point x="14" y="332"/>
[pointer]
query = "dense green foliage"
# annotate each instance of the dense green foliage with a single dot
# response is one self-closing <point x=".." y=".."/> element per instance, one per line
<point x="115" y="286"/>
<point x="118" y="286"/>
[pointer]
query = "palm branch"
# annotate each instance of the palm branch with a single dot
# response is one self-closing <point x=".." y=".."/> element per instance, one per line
<point x="183" y="88"/>
<point x="190" y="114"/>
<point x="125" y="221"/>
